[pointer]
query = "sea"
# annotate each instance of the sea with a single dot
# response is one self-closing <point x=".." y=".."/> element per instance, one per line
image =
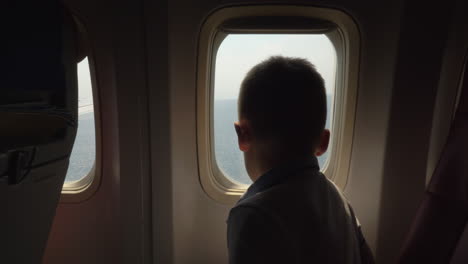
<point x="227" y="154"/>
<point x="84" y="150"/>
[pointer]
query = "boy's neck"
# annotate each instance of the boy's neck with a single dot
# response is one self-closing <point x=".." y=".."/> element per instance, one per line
<point x="264" y="165"/>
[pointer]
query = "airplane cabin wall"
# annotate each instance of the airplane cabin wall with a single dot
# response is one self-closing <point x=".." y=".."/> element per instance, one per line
<point x="150" y="206"/>
<point x="114" y="224"/>
<point x="421" y="47"/>
<point x="198" y="222"/>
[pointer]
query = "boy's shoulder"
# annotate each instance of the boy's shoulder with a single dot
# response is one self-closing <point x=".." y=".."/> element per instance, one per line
<point x="307" y="190"/>
<point x="307" y="210"/>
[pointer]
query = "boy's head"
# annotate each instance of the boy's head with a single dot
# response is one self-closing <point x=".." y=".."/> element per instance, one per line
<point x="282" y="113"/>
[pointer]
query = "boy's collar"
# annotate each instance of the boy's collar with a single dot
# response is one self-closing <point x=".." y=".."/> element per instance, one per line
<point x="279" y="174"/>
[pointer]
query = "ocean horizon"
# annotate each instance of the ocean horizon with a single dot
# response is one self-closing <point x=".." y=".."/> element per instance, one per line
<point x="228" y="157"/>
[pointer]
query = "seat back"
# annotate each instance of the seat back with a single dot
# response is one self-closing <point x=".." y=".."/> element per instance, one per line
<point x="460" y="255"/>
<point x="38" y="113"/>
<point x="441" y="219"/>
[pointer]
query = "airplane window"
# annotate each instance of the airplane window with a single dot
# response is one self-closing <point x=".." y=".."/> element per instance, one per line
<point x="84" y="150"/>
<point x="237" y="54"/>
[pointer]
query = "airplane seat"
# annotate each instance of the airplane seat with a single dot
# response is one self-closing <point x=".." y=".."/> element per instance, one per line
<point x="438" y="231"/>
<point x="38" y="111"/>
<point x="460" y="255"/>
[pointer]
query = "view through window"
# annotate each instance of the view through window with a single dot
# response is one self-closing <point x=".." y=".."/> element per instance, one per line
<point x="236" y="55"/>
<point x="84" y="150"/>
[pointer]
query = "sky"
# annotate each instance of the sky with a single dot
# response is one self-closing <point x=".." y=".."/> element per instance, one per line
<point x="85" y="93"/>
<point x="238" y="53"/>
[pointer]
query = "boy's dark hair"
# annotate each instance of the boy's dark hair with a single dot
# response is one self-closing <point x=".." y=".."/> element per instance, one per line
<point x="285" y="102"/>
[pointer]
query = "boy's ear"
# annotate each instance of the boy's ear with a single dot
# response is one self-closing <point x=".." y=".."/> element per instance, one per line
<point x="243" y="135"/>
<point x="323" y="143"/>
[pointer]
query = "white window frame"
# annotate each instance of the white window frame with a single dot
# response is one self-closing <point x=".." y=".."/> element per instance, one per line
<point x="83" y="189"/>
<point x="345" y="39"/>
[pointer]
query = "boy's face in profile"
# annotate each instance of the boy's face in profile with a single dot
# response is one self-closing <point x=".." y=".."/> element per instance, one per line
<point x="245" y="142"/>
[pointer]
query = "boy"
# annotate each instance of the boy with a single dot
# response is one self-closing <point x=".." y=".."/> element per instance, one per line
<point x="291" y="213"/>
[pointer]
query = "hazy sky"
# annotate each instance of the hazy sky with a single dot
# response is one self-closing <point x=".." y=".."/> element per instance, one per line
<point x="237" y="54"/>
<point x="85" y="94"/>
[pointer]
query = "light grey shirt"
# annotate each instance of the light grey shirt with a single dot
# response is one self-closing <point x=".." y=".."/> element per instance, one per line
<point x="294" y="214"/>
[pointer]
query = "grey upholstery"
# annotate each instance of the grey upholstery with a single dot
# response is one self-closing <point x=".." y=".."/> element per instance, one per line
<point x="38" y="109"/>
<point x="438" y="232"/>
